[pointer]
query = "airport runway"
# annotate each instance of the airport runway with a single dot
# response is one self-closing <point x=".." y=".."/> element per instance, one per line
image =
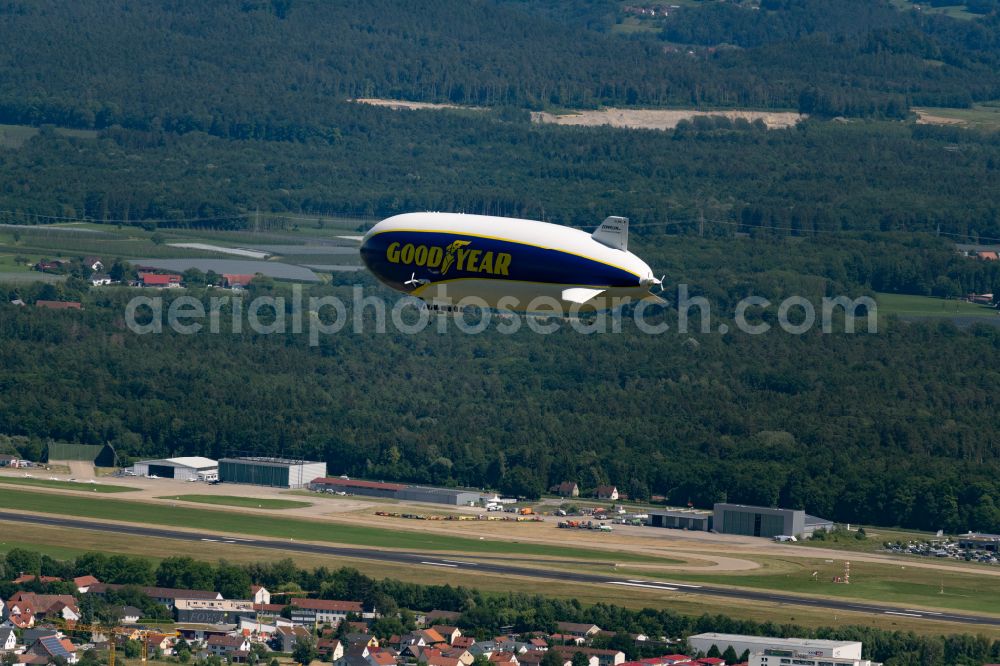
<point x="468" y="563"/>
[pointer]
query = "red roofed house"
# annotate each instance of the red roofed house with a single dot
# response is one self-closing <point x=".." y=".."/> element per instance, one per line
<point x="162" y="281"/>
<point x="383" y="658"/>
<point x="83" y="583"/>
<point x="607" y="492"/>
<point x="988" y="255"/>
<point x="463" y="642"/>
<point x="566" y="489"/>
<point x="24" y="608"/>
<point x="233" y="281"/>
<point x="711" y="661"/>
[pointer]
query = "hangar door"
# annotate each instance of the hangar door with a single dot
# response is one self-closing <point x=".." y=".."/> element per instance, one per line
<point x="162" y="471"/>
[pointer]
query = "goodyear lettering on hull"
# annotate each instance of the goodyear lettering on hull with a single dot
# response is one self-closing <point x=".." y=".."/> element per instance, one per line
<point x="456" y="254"/>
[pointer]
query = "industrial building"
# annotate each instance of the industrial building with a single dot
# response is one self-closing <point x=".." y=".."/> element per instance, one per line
<point x="191" y="468"/>
<point x="850" y="650"/>
<point x="212" y="611"/>
<point x="785" y="657"/>
<point x="763" y="521"/>
<point x="274" y="472"/>
<point x="455" y="497"/>
<point x="681" y="519"/>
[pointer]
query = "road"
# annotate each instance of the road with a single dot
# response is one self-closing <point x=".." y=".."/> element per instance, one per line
<point x="468" y="563"/>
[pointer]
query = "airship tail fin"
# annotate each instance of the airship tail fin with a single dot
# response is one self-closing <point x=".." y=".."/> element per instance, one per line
<point x="580" y="294"/>
<point x="613" y="232"/>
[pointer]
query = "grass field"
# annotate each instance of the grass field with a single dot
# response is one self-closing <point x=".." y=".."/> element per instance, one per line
<point x="981" y="116"/>
<point x="869" y="581"/>
<point x="926" y="306"/>
<point x="65" y="485"/>
<point x="287" y="528"/>
<point x="246" y="502"/>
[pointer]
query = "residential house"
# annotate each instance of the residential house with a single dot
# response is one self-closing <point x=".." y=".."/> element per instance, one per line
<point x="565" y="639"/>
<point x="260" y="595"/>
<point x="129" y="614"/>
<point x="566" y="489"/>
<point x="988" y="255"/>
<point x="100" y="279"/>
<point x="287" y="637"/>
<point x="503" y="657"/>
<point x="464" y="642"/>
<point x="323" y="611"/>
<point x="464" y="656"/>
<point x="93" y="263"/>
<point x="330" y="647"/>
<point x="607" y="492"/>
<point x="51" y="647"/>
<point x="221" y="646"/>
<point x="577" y="629"/>
<point x="356" y="655"/>
<point x="232" y="281"/>
<point x="25" y="608"/>
<point x="433" y="637"/>
<point x="383" y="657"/>
<point x="531" y="658"/>
<point x="358" y="638"/>
<point x="448" y="632"/>
<point x="538" y="644"/>
<point x="8" y="639"/>
<point x="83" y="583"/>
<point x="162" y="642"/>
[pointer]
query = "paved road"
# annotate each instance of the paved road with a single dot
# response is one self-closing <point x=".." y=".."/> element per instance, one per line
<point x="468" y="563"/>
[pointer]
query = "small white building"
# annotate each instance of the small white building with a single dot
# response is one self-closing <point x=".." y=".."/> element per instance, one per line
<point x="850" y="650"/>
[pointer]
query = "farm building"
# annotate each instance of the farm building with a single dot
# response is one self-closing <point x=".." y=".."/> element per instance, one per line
<point x="191" y="468"/>
<point x="274" y="472"/>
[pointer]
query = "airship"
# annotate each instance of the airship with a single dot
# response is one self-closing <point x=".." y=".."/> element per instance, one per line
<point x="447" y="259"/>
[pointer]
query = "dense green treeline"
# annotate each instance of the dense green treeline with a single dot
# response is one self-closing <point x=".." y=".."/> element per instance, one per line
<point x="816" y="178"/>
<point x="888" y="428"/>
<point x="233" y="68"/>
<point x="483" y="614"/>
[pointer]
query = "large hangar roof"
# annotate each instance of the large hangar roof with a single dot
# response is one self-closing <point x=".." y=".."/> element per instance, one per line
<point x="195" y="462"/>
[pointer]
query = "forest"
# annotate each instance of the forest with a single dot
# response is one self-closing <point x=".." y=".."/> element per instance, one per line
<point x="887" y="428"/>
<point x="483" y="614"/>
<point x="816" y="178"/>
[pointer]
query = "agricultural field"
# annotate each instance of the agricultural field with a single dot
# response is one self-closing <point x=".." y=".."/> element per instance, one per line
<point x="244" y="502"/>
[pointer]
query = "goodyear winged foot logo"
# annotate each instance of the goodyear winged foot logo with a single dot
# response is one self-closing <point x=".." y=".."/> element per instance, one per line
<point x="458" y="255"/>
<point x="449" y="255"/>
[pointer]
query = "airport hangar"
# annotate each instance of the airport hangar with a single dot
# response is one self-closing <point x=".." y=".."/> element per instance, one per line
<point x="397" y="491"/>
<point x="757" y="521"/>
<point x="267" y="471"/>
<point x="189" y="468"/>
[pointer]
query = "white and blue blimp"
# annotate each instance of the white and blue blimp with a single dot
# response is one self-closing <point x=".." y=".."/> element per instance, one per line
<point x="448" y="259"/>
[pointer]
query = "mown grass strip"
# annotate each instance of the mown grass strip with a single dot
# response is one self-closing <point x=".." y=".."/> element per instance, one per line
<point x="66" y="485"/>
<point x="245" y="502"/>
